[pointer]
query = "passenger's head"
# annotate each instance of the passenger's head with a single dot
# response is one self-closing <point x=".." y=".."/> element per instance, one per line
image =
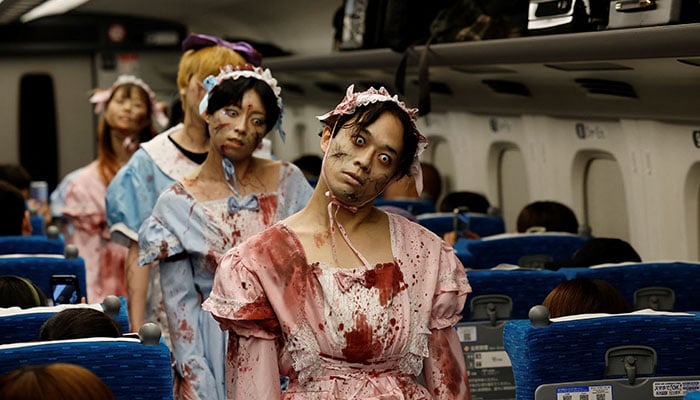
<point x="53" y="381"/>
<point x="17" y="176"/>
<point x="13" y="212"/>
<point x="432" y="182"/>
<point x="473" y="202"/>
<point x="79" y="323"/>
<point x="16" y="291"/>
<point x="242" y="102"/>
<point x="585" y="296"/>
<point x="599" y="251"/>
<point x="204" y="55"/>
<point x="129" y="109"/>
<point x="365" y="120"/>
<point x="550" y="216"/>
<point x="309" y="164"/>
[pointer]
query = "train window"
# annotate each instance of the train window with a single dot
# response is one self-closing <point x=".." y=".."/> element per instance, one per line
<point x="512" y="185"/>
<point x="606" y="203"/>
<point x="692" y="205"/>
<point x="38" y="147"/>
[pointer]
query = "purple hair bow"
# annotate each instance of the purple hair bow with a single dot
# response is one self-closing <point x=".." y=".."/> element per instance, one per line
<point x="197" y="41"/>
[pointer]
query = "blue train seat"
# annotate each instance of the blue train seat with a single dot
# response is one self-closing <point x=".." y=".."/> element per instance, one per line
<point x="134" y="369"/>
<point x="664" y="285"/>
<point x="39" y="269"/>
<point x="497" y="296"/>
<point x="514" y="248"/>
<point x="23" y="325"/>
<point x="481" y="224"/>
<point x="635" y="355"/>
<point x="414" y="206"/>
<point x="32" y="244"/>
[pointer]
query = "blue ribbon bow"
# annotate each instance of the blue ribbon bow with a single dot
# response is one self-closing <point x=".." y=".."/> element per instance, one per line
<point x="249" y="202"/>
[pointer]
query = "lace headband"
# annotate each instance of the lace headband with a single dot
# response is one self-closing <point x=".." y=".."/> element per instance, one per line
<point x="354" y="99"/>
<point x="100" y="98"/>
<point x="196" y="41"/>
<point x="245" y="71"/>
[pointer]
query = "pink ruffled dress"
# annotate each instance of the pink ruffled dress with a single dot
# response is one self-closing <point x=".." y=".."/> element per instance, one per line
<point x="363" y="333"/>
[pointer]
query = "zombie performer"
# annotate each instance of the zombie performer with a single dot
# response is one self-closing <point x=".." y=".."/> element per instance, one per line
<point x="230" y="197"/>
<point x="349" y="301"/>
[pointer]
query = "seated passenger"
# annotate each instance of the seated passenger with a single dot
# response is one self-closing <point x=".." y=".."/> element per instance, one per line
<point x="585" y="296"/>
<point x="547" y="216"/>
<point x="79" y="323"/>
<point x="598" y="251"/>
<point x="13" y="212"/>
<point x="16" y="291"/>
<point x="53" y="381"/>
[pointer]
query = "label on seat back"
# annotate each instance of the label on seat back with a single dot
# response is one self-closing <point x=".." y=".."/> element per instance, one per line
<point x="675" y="388"/>
<point x="601" y="392"/>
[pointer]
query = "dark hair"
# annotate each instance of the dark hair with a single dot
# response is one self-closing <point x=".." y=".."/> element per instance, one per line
<point x="231" y="91"/>
<point x="16" y="175"/>
<point x="550" y="215"/>
<point x="16" y="291"/>
<point x="599" y="251"/>
<point x="13" y="206"/>
<point x="78" y="323"/>
<point x="583" y="296"/>
<point x="53" y="381"/>
<point x="366" y="115"/>
<point x="475" y="202"/>
<point x="309" y="164"/>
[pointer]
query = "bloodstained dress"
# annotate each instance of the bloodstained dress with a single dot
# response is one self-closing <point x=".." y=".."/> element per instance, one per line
<point x="188" y="238"/>
<point x="363" y="333"/>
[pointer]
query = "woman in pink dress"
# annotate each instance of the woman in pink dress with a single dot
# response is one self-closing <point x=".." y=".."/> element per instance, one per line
<point x="348" y="301"/>
<point x="129" y="108"/>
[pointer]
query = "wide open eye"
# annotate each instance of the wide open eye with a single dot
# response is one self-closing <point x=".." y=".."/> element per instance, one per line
<point x="359" y="140"/>
<point x="229" y="112"/>
<point x="385" y="159"/>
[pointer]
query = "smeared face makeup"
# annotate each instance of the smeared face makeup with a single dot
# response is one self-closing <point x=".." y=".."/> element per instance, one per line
<point x="362" y="161"/>
<point x="237" y="130"/>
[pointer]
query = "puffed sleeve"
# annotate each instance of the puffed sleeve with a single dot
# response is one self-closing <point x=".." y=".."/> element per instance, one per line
<point x="131" y="195"/>
<point x="445" y="371"/>
<point x="172" y="223"/>
<point x="451" y="292"/>
<point x="239" y="303"/>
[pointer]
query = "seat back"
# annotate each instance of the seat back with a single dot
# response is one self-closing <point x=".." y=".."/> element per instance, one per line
<point x="40" y="268"/>
<point x="525" y="289"/>
<point x="682" y="278"/>
<point x="497" y="296"/>
<point x="32" y="244"/>
<point x="23" y="325"/>
<point x="593" y="348"/>
<point x="510" y="249"/>
<point x="414" y="206"/>
<point x="481" y="224"/>
<point x="131" y="369"/>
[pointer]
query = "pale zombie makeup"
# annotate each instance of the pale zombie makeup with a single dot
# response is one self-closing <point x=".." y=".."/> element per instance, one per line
<point x="363" y="160"/>
<point x="236" y="130"/>
<point x="127" y="114"/>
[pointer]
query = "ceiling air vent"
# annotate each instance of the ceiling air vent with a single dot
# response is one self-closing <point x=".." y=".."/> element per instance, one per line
<point x="607" y="88"/>
<point x="507" y="87"/>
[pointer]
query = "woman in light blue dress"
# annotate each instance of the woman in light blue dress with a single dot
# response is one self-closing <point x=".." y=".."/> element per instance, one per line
<point x="230" y="197"/>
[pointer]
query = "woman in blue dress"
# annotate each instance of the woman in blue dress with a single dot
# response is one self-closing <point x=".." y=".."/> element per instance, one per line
<point x="230" y="197"/>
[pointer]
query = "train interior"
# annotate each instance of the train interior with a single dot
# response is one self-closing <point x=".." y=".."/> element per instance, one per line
<point x="606" y="122"/>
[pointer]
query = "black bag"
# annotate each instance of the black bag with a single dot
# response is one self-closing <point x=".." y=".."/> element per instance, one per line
<point x="463" y="20"/>
<point x="359" y="24"/>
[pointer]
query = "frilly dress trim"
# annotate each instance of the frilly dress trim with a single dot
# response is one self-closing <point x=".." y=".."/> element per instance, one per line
<point x="304" y="350"/>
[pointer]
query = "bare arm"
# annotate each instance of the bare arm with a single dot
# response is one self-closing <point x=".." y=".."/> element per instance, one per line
<point x="137" y="279"/>
<point x="444" y="370"/>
